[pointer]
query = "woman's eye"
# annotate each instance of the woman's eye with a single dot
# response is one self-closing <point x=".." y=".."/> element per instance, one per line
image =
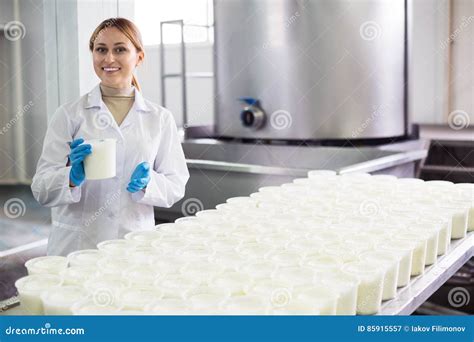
<point x="121" y="49"/>
<point x="100" y="49"/>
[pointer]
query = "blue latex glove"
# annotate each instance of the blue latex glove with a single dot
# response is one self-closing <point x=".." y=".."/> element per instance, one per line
<point x="76" y="157"/>
<point x="140" y="178"/>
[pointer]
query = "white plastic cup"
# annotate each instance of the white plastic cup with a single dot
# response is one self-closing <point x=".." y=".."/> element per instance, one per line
<point x="259" y="270"/>
<point x="137" y="298"/>
<point x="346" y="285"/>
<point x="59" y="301"/>
<point x="405" y="251"/>
<point x="284" y="258"/>
<point x="369" y="296"/>
<point x="322" y="298"/>
<point x="196" y="253"/>
<point x="295" y="275"/>
<point x="101" y="163"/>
<point x="140" y="275"/>
<point x="142" y="254"/>
<point x="144" y="237"/>
<point x="341" y="252"/>
<point x="86" y="257"/>
<point x="201" y="270"/>
<point x="254" y="251"/>
<point x="114" y="265"/>
<point x="235" y="282"/>
<point x="245" y="305"/>
<point x="273" y="291"/>
<point x="230" y="260"/>
<point x="445" y="224"/>
<point x="224" y="244"/>
<point x="322" y="263"/>
<point x="170" y="245"/>
<point x="116" y="247"/>
<point x="391" y="264"/>
<point x="242" y="201"/>
<point x="431" y="233"/>
<point x="104" y="289"/>
<point x="175" y="285"/>
<point x="90" y="307"/>
<point x="169" y="306"/>
<point x="78" y="275"/>
<point x="466" y="191"/>
<point x="30" y="289"/>
<point x="168" y="264"/>
<point x="296" y="307"/>
<point x="419" y="250"/>
<point x="206" y="299"/>
<point x="46" y="265"/>
<point x="459" y="219"/>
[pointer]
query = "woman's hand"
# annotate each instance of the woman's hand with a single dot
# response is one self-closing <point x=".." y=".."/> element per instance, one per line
<point x="76" y="159"/>
<point x="140" y="178"/>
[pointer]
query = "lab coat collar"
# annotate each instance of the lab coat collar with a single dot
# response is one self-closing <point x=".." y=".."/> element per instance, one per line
<point x="94" y="99"/>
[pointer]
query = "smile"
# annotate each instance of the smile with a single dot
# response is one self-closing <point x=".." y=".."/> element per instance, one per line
<point x="110" y="70"/>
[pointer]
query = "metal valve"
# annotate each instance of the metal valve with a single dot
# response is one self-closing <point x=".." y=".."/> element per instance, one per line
<point x="252" y="116"/>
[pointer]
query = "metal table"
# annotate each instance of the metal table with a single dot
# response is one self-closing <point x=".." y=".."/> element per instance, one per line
<point x="420" y="288"/>
<point x="408" y="298"/>
<point x="220" y="170"/>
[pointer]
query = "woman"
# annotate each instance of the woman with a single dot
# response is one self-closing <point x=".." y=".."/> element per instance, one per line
<point x="151" y="168"/>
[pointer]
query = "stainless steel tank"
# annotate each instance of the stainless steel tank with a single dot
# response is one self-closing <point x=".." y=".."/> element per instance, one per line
<point x="310" y="69"/>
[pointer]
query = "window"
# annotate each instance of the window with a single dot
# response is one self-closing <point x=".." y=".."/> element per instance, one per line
<point x="149" y="14"/>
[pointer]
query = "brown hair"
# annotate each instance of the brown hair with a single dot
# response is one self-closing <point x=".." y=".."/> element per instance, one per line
<point x="129" y="29"/>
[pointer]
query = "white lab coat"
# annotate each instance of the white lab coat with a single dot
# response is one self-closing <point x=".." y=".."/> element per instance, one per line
<point x="99" y="210"/>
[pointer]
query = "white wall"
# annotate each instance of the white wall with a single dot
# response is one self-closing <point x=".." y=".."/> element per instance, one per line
<point x="461" y="84"/>
<point x="428" y="98"/>
<point x="441" y="65"/>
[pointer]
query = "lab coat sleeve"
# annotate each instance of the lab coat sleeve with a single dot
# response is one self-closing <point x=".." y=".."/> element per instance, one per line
<point x="50" y="184"/>
<point x="170" y="173"/>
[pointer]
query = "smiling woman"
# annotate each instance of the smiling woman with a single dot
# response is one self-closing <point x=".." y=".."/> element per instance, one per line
<point x="149" y="161"/>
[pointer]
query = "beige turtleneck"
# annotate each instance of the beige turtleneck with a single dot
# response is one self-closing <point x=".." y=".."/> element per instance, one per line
<point x="118" y="101"/>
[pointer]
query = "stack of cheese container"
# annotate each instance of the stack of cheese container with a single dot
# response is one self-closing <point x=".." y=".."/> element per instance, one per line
<point x="322" y="245"/>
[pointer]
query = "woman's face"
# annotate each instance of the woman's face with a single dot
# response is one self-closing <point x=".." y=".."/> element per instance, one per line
<point x="115" y="58"/>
